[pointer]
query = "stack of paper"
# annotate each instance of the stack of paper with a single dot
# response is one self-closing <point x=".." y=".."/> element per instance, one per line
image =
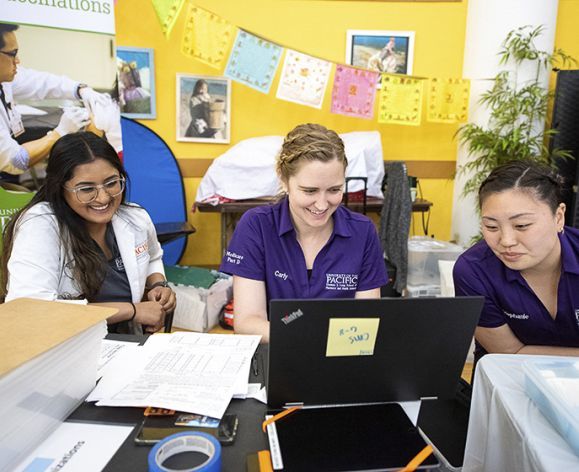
<point x="191" y="372"/>
<point x="48" y="362"/>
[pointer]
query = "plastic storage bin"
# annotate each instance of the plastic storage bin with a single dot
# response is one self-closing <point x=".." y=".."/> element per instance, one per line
<point x="415" y="291"/>
<point x="423" y="256"/>
<point x="553" y="385"/>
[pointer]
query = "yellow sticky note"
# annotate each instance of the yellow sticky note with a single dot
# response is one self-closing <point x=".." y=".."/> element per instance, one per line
<point x="352" y="336"/>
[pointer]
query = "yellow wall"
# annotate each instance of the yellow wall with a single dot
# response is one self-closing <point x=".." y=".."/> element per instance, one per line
<point x="567" y="34"/>
<point x="317" y="28"/>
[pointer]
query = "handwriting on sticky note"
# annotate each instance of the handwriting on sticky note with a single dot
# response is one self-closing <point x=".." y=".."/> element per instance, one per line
<point x="352" y="336"/>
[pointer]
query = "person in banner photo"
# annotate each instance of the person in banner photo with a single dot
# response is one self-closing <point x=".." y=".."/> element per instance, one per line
<point x="307" y="245"/>
<point x="19" y="83"/>
<point x="526" y="267"/>
<point x="78" y="239"/>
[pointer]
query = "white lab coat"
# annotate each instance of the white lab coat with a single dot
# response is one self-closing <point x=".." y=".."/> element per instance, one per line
<point x="39" y="265"/>
<point x="28" y="84"/>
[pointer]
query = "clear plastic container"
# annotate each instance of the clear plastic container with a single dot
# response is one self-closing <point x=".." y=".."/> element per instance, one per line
<point x="415" y="291"/>
<point x="423" y="256"/>
<point x="553" y="385"/>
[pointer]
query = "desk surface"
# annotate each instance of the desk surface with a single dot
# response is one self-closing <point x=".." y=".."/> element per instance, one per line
<point x="131" y="457"/>
<point x="373" y="205"/>
<point x="506" y="430"/>
<point x="250" y="437"/>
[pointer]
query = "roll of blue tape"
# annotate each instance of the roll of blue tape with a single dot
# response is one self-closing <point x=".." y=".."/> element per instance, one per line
<point x="191" y="441"/>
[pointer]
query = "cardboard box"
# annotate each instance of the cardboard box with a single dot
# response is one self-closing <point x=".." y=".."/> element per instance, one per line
<point x="198" y="308"/>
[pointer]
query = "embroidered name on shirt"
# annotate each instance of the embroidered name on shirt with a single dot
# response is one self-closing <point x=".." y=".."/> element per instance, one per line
<point x="281" y="275"/>
<point x="516" y="316"/>
<point x="341" y="281"/>
<point x="233" y="258"/>
<point x="287" y="319"/>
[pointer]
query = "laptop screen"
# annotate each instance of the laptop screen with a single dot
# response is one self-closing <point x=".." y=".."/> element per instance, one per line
<point x="349" y="351"/>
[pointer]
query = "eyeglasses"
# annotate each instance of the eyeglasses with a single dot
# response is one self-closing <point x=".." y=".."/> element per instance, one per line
<point x="89" y="193"/>
<point x="11" y="54"/>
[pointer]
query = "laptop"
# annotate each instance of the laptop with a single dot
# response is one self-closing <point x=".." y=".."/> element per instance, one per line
<point x="409" y="349"/>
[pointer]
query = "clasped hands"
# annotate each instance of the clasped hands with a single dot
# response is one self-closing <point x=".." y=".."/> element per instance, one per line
<point x="151" y="313"/>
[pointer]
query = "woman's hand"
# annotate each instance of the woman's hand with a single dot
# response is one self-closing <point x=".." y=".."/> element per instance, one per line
<point x="151" y="315"/>
<point x="163" y="295"/>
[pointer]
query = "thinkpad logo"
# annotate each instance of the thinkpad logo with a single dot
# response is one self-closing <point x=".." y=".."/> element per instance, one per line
<point x="287" y="319"/>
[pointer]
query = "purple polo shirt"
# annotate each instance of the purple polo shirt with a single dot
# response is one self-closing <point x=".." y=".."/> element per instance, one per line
<point x="264" y="247"/>
<point x="509" y="299"/>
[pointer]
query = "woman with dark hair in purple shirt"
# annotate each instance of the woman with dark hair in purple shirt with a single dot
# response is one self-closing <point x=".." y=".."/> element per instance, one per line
<point x="307" y="245"/>
<point x="527" y="266"/>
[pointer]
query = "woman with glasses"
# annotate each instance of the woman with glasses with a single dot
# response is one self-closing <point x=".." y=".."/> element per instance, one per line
<point x="78" y="239"/>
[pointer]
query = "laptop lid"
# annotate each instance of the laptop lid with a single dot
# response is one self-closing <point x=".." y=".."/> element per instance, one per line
<point x="343" y="351"/>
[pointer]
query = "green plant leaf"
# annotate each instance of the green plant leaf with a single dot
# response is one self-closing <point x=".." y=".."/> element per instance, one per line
<point x="515" y="110"/>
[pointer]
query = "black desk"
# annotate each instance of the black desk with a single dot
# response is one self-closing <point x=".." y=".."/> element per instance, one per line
<point x="130" y="457"/>
<point x="251" y="413"/>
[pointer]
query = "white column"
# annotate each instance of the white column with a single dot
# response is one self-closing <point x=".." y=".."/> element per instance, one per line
<point x="487" y="25"/>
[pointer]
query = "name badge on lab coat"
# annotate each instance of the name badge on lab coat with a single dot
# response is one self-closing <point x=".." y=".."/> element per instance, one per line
<point x="16" y="126"/>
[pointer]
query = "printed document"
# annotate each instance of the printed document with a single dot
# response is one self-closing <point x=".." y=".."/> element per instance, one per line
<point x="190" y="372"/>
<point x="76" y="446"/>
<point x="109" y="349"/>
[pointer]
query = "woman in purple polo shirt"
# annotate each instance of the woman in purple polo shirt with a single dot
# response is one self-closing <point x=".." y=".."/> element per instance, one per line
<point x="307" y="245"/>
<point x="527" y="266"/>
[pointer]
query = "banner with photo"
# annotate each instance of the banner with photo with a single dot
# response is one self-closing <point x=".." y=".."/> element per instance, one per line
<point x="49" y="81"/>
<point x="96" y="16"/>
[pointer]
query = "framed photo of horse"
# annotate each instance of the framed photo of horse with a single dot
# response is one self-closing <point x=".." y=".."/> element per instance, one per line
<point x="203" y="109"/>
<point x="381" y="51"/>
<point x="136" y="80"/>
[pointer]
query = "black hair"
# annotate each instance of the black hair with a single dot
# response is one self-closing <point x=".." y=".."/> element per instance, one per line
<point x="66" y="155"/>
<point x="6" y="28"/>
<point x="538" y="179"/>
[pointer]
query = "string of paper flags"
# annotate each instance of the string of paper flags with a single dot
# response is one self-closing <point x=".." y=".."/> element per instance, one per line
<point x="253" y="61"/>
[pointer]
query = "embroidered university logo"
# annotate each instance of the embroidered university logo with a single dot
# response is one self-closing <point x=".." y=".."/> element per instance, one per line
<point x="577" y="317"/>
<point x="341" y="281"/>
<point x="119" y="264"/>
<point x="287" y="319"/>
<point x="141" y="249"/>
